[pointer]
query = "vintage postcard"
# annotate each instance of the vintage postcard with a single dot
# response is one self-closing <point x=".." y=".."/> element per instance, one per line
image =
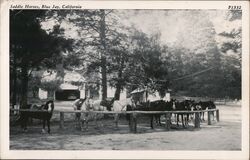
<point x="124" y="80"/>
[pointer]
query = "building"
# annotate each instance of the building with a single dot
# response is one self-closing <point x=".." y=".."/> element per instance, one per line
<point x="74" y="86"/>
<point x="143" y="95"/>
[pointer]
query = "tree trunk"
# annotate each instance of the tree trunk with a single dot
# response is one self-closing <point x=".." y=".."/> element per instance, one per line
<point x="117" y="91"/>
<point x="24" y="87"/>
<point x="14" y="87"/>
<point x="103" y="55"/>
<point x="104" y="78"/>
<point x="119" y="83"/>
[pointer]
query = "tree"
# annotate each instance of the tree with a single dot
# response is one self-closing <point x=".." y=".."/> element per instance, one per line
<point x="31" y="46"/>
<point x="98" y="36"/>
<point x="195" y="58"/>
<point x="231" y="49"/>
<point x="147" y="67"/>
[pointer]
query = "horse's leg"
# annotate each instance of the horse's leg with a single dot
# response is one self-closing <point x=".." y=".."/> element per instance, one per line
<point x="177" y="119"/>
<point x="43" y="130"/>
<point x="87" y="124"/>
<point x="76" y="121"/>
<point x="84" y="122"/>
<point x="159" y="119"/>
<point x="155" y="119"/>
<point x="25" y="121"/>
<point x="191" y="117"/>
<point x="95" y="120"/>
<point x="129" y="119"/>
<point x="182" y="120"/>
<point x="152" y="121"/>
<point x="187" y="119"/>
<point x="22" y="121"/>
<point x="116" y="118"/>
<point x="79" y="124"/>
<point x="170" y="118"/>
<point x="48" y="124"/>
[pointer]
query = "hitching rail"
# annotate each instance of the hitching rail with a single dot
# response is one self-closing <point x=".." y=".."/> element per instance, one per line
<point x="133" y="116"/>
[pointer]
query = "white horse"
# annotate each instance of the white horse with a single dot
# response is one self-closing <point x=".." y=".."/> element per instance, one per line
<point x="102" y="105"/>
<point x="78" y="105"/>
<point x="121" y="105"/>
<point x="89" y="104"/>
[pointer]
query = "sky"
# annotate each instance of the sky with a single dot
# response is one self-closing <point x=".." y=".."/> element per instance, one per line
<point x="174" y="25"/>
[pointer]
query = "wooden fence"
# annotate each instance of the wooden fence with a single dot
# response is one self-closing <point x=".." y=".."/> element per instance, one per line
<point x="134" y="116"/>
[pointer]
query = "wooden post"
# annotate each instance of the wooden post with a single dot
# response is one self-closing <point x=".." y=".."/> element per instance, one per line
<point x="61" y="120"/>
<point x="152" y="121"/>
<point x="133" y="123"/>
<point x="168" y="121"/>
<point x="209" y="117"/>
<point x="85" y="120"/>
<point x="197" y="120"/>
<point x="116" y="117"/>
<point x="95" y="119"/>
<point x="217" y="115"/>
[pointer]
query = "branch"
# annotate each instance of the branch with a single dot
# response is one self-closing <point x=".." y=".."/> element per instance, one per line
<point x="109" y="12"/>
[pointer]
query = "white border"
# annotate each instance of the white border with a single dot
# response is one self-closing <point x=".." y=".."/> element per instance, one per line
<point x="52" y="154"/>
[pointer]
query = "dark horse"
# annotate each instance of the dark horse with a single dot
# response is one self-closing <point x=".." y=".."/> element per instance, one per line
<point x="158" y="105"/>
<point x="206" y="105"/>
<point x="185" y="105"/>
<point x="44" y="113"/>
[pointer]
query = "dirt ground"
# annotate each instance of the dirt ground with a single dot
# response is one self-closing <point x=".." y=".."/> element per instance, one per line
<point x="223" y="135"/>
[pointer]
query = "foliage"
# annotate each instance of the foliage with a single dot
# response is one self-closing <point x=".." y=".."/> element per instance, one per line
<point x="105" y="51"/>
<point x="31" y="47"/>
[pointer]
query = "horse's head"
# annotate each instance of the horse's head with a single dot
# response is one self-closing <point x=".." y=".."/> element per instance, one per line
<point x="107" y="103"/>
<point x="131" y="102"/>
<point x="198" y="107"/>
<point x="49" y="106"/>
<point x="174" y="105"/>
<point x="211" y="105"/>
<point x="87" y="104"/>
<point x="80" y="103"/>
<point x="110" y="104"/>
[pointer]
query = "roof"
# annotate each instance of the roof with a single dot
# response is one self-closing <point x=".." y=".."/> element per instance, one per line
<point x="137" y="91"/>
<point x="66" y="86"/>
<point x="70" y="76"/>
